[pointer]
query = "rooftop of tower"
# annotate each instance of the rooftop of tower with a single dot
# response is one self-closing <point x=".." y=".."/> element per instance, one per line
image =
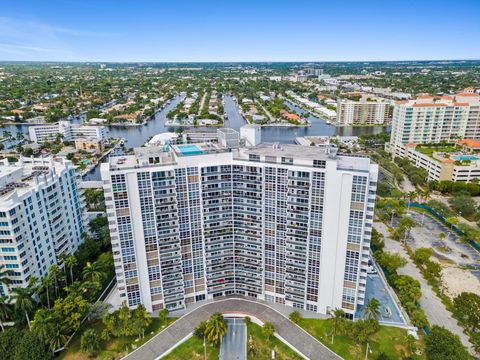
<point x="287" y="154"/>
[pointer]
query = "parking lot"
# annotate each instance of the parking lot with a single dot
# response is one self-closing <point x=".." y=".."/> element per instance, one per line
<point x="427" y="234"/>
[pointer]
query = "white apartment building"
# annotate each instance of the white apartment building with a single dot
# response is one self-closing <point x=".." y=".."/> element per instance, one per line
<point x="362" y="112"/>
<point x="441" y="167"/>
<point x="432" y="119"/>
<point x="284" y="223"/>
<point x="70" y="132"/>
<point x="40" y="216"/>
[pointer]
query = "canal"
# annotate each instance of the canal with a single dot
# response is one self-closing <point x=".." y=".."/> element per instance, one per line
<point x="136" y="136"/>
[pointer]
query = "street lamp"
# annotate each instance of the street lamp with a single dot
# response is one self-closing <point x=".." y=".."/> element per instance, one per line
<point x="368" y="351"/>
<point x="204" y="349"/>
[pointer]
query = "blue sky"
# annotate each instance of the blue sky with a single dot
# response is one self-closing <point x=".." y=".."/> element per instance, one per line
<point x="203" y="30"/>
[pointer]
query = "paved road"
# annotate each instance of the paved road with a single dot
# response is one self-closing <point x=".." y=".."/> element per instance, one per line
<point x="234" y="343"/>
<point x="183" y="327"/>
<point x="436" y="312"/>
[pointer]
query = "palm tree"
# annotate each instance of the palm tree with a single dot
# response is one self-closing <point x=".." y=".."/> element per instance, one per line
<point x="216" y="328"/>
<point x="7" y="134"/>
<point x="268" y="329"/>
<point x="140" y="314"/>
<point x="70" y="261"/>
<point x="425" y="194"/>
<point x="34" y="284"/>
<point x="4" y="276"/>
<point x="93" y="272"/>
<point x="412" y="195"/>
<point x="53" y="271"/>
<point x="43" y="323"/>
<point x="338" y="321"/>
<point x="372" y="309"/>
<point x="5" y="310"/>
<point x="23" y="301"/>
<point x="63" y="257"/>
<point x="47" y="281"/>
<point x="57" y="338"/>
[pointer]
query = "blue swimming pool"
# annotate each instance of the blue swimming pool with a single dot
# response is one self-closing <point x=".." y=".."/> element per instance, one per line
<point x="465" y="157"/>
<point x="189" y="149"/>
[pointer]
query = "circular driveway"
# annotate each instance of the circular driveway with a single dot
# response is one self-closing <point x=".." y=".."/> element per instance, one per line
<point x="293" y="335"/>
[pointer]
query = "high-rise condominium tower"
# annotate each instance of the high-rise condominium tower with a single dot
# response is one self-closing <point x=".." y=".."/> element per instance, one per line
<point x="283" y="223"/>
<point x="433" y="119"/>
<point x="40" y="216"/>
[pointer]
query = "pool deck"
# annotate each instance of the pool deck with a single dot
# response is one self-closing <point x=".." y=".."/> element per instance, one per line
<point x="377" y="288"/>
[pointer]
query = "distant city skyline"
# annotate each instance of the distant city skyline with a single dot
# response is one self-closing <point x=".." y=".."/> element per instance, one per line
<point x="215" y="31"/>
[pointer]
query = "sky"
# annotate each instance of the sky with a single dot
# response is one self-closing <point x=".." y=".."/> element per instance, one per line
<point x="237" y="30"/>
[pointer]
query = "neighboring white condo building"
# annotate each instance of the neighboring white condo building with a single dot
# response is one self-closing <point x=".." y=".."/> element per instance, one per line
<point x="69" y="131"/>
<point x="284" y="223"/>
<point x="40" y="216"/>
<point x="433" y="119"/>
<point x="362" y="112"/>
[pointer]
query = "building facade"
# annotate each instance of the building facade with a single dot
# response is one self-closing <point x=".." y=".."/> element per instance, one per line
<point x="40" y="216"/>
<point x="433" y="119"/>
<point x="287" y="224"/>
<point x="457" y="166"/>
<point x="362" y="113"/>
<point x="69" y="131"/>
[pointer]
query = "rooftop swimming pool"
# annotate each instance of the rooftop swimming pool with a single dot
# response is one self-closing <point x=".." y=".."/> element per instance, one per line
<point x="466" y="157"/>
<point x="189" y="150"/>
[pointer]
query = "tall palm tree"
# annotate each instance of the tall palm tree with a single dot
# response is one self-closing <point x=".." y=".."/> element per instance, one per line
<point x="23" y="301"/>
<point x="34" y="284"/>
<point x="93" y="272"/>
<point x="54" y="272"/>
<point x="338" y="322"/>
<point x="47" y="281"/>
<point x="5" y="310"/>
<point x="63" y="257"/>
<point x="372" y="309"/>
<point x="216" y="328"/>
<point x="70" y="261"/>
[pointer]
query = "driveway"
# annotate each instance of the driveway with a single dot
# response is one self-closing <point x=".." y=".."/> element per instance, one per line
<point x="181" y="329"/>
<point x="234" y="343"/>
<point x="436" y="312"/>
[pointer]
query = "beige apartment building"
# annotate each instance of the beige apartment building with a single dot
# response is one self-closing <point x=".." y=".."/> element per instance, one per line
<point x="361" y="112"/>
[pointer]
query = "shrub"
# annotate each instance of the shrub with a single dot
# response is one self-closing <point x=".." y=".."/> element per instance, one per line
<point x="295" y="316"/>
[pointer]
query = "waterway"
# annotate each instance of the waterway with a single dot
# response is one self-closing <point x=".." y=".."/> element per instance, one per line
<point x="136" y="136"/>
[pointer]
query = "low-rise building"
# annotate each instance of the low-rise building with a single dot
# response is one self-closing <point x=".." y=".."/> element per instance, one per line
<point x="89" y="144"/>
<point x="69" y="132"/>
<point x="459" y="164"/>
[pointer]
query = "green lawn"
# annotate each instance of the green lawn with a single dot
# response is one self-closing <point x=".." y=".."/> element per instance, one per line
<point x="193" y="349"/>
<point x="264" y="347"/>
<point x="388" y="340"/>
<point x="115" y="348"/>
<point x="429" y="150"/>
